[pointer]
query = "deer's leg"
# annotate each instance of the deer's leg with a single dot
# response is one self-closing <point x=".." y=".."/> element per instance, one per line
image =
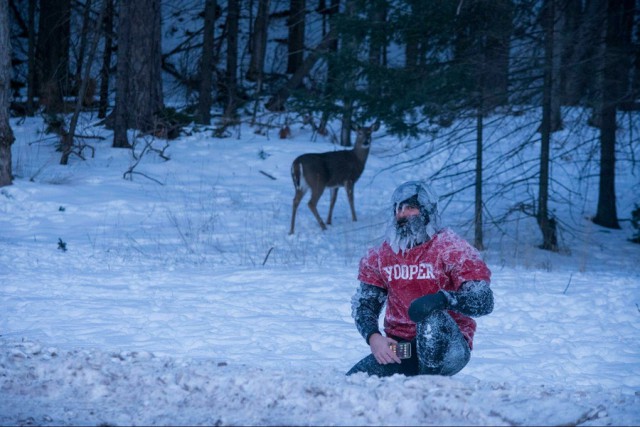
<point x="349" y="188"/>
<point x="296" y="201"/>
<point x="313" y="203"/>
<point x="334" y="196"/>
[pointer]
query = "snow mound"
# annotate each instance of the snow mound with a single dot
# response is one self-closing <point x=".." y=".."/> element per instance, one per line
<point x="43" y="386"/>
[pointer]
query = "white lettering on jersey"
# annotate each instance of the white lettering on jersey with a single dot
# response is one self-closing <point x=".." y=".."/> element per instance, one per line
<point x="422" y="271"/>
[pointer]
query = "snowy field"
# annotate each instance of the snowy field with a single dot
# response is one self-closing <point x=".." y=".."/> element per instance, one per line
<point x="177" y="297"/>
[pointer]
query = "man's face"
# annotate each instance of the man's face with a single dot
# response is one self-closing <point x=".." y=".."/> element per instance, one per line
<point x="410" y="226"/>
<point x="405" y="211"/>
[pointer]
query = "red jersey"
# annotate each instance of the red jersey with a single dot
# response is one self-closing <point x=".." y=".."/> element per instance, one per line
<point x="444" y="262"/>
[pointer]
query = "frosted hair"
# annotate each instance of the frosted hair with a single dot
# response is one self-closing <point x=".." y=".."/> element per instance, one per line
<point x="428" y="201"/>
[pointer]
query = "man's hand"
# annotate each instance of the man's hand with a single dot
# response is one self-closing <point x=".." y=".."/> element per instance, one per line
<point x="421" y="307"/>
<point x="381" y="350"/>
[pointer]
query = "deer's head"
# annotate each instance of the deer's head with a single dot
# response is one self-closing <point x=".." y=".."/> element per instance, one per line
<point x="364" y="133"/>
<point x="363" y="140"/>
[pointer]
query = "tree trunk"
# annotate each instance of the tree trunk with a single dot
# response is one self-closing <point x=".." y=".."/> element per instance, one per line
<point x="635" y="73"/>
<point x="67" y="140"/>
<point x="573" y="14"/>
<point x="121" y="111"/>
<point x="597" y="70"/>
<point x="496" y="52"/>
<point x="84" y="36"/>
<point x="139" y="80"/>
<point x="348" y="48"/>
<point x="258" y="53"/>
<point x="478" y="240"/>
<point x="52" y="54"/>
<point x="547" y="225"/>
<point x="6" y="134"/>
<point x="105" y="70"/>
<point x="296" y="25"/>
<point x="557" y="24"/>
<point x="607" y="214"/>
<point x="482" y="38"/>
<point x="412" y="39"/>
<point x="31" y="60"/>
<point x="276" y="102"/>
<point x="259" y="42"/>
<point x="332" y="69"/>
<point x="346" y="123"/>
<point x="206" y="63"/>
<point x="233" y="22"/>
<point x="378" y="36"/>
<point x="629" y="54"/>
<point x="582" y="62"/>
<point x="481" y="84"/>
<point x="378" y="41"/>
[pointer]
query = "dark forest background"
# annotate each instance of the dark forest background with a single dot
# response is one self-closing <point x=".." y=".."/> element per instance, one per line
<point x="414" y="65"/>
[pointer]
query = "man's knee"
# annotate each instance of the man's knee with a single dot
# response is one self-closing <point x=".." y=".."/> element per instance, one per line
<point x="456" y="358"/>
<point x="441" y="347"/>
<point x="437" y="327"/>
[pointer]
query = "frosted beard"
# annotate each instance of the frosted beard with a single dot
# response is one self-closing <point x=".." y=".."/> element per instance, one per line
<point x="409" y="232"/>
<point x="417" y="229"/>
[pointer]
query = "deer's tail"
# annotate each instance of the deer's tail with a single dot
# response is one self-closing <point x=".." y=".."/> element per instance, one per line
<point x="296" y="175"/>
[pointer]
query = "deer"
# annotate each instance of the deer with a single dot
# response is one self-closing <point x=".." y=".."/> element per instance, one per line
<point x="333" y="169"/>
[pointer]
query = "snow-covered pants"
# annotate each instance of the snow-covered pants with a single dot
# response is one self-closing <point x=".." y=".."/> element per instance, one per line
<point x="439" y="348"/>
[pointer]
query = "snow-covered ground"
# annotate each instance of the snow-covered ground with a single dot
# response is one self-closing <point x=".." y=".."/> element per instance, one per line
<point x="178" y="297"/>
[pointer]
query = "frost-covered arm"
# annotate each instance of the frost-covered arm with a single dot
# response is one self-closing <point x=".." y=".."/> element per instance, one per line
<point x="366" y="305"/>
<point x="474" y="298"/>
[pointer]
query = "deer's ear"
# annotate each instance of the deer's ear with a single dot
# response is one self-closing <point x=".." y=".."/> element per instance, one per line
<point x="375" y="126"/>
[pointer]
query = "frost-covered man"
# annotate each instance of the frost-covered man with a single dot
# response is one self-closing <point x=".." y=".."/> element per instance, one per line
<point x="432" y="282"/>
